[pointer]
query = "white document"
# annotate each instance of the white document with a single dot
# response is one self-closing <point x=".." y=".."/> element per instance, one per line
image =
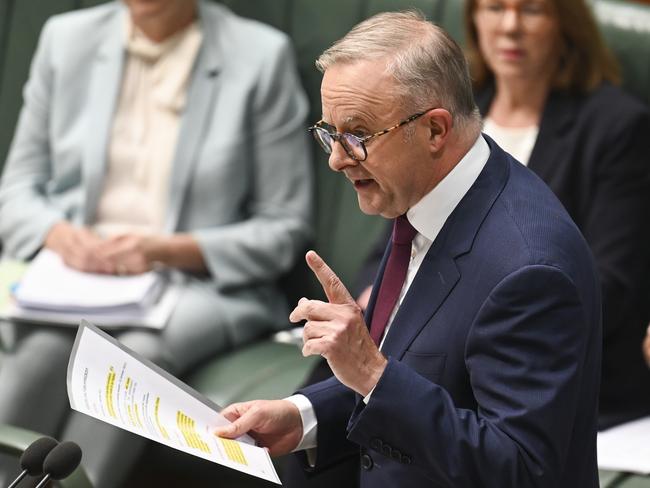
<point x="49" y="284"/>
<point x="111" y="383"/>
<point x="626" y="447"/>
<point x="153" y="317"/>
<point x="48" y="292"/>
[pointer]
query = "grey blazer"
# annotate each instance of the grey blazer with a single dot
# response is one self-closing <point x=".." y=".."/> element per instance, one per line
<point x="241" y="175"/>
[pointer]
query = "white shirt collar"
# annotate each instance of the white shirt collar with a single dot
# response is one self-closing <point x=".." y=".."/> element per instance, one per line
<point x="432" y="211"/>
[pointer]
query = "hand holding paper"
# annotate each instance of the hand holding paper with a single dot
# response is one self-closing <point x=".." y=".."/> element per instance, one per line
<point x="113" y="384"/>
<point x="275" y="424"/>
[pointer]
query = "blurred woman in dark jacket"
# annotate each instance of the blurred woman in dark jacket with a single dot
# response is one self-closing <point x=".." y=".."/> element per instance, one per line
<point x="545" y="84"/>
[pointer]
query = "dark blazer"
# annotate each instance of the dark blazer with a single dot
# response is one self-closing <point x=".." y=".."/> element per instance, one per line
<point x="594" y="152"/>
<point x="494" y="355"/>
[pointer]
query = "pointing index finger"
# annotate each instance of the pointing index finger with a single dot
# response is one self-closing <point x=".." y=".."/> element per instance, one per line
<point x="334" y="288"/>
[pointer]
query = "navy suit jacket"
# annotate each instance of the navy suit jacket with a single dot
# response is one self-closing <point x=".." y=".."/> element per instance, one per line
<point x="493" y="357"/>
<point x="592" y="151"/>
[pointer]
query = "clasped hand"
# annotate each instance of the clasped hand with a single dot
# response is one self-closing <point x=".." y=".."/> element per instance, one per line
<point x="82" y="249"/>
<point x="336" y="331"/>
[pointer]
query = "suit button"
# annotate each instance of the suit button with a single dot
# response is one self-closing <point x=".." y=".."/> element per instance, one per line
<point x="376" y="444"/>
<point x="366" y="462"/>
<point x="407" y="459"/>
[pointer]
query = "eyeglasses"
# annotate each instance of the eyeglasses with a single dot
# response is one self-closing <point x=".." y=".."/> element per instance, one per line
<point x="354" y="146"/>
<point x="530" y="13"/>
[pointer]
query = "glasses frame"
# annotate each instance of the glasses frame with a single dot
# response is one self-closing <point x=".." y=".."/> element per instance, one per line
<point x="530" y="15"/>
<point x="341" y="136"/>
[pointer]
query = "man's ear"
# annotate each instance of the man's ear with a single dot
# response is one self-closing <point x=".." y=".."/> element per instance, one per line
<point x="439" y="123"/>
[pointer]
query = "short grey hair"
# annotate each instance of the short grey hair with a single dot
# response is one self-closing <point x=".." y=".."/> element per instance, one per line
<point x="427" y="65"/>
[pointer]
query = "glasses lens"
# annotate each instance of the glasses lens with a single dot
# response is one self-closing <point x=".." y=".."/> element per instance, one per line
<point x="324" y="139"/>
<point x="354" y="147"/>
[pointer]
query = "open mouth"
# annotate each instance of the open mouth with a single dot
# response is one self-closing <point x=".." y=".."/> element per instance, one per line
<point x="363" y="183"/>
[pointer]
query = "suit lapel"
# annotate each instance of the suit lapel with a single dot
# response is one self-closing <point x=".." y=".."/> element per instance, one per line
<point x="559" y="113"/>
<point x="439" y="273"/>
<point x="195" y="120"/>
<point x="436" y="277"/>
<point x="105" y="84"/>
<point x="558" y="116"/>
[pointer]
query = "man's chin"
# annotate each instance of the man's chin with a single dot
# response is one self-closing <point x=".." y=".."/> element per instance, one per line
<point x="373" y="209"/>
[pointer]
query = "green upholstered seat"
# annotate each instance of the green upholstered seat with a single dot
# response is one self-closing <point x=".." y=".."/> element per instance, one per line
<point x="614" y="479"/>
<point x="265" y="369"/>
<point x="626" y="28"/>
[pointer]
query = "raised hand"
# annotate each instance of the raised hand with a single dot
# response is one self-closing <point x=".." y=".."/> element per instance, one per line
<point x="336" y="330"/>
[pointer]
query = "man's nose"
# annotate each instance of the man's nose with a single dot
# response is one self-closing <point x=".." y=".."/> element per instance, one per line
<point x="339" y="159"/>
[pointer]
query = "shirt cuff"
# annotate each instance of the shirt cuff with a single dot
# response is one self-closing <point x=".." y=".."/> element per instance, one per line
<point x="366" y="398"/>
<point x="309" y="422"/>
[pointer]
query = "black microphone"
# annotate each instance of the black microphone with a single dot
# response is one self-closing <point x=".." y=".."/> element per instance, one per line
<point x="61" y="462"/>
<point x="32" y="458"/>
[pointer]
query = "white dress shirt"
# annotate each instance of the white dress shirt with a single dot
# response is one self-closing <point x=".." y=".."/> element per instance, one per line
<point x="427" y="217"/>
<point x="145" y="131"/>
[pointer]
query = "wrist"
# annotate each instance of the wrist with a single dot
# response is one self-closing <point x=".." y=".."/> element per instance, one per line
<point x="156" y="251"/>
<point x="374" y="375"/>
<point x="54" y="235"/>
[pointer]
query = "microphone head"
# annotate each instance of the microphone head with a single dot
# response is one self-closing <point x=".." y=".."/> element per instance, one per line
<point x="33" y="457"/>
<point x="62" y="460"/>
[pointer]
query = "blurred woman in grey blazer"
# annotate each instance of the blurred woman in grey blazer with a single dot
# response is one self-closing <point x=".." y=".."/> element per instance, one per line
<point x="167" y="132"/>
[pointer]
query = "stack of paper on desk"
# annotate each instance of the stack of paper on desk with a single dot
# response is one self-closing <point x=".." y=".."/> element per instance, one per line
<point x="51" y="292"/>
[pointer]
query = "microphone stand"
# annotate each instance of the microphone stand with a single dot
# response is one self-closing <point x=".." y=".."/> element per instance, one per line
<point x="15" y="482"/>
<point x="44" y="481"/>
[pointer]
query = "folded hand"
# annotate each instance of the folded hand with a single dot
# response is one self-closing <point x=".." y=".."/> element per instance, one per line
<point x="78" y="247"/>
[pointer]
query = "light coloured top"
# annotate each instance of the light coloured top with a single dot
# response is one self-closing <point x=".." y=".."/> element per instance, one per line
<point x="518" y="141"/>
<point x="145" y="131"/>
<point x="428" y="216"/>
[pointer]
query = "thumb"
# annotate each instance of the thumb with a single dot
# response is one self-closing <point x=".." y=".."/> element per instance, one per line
<point x="239" y="427"/>
<point x="334" y="288"/>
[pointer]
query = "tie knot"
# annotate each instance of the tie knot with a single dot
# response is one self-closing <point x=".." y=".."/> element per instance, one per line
<point x="403" y="231"/>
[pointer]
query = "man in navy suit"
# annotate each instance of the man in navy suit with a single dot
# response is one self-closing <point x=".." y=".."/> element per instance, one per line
<point x="480" y="367"/>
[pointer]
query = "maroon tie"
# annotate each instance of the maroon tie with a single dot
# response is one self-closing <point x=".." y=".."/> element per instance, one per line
<point x="394" y="275"/>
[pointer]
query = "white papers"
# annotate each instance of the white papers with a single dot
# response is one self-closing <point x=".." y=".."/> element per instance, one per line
<point x="152" y="317"/>
<point x="50" y="285"/>
<point x="48" y="292"/>
<point x="111" y="383"/>
<point x="626" y="447"/>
